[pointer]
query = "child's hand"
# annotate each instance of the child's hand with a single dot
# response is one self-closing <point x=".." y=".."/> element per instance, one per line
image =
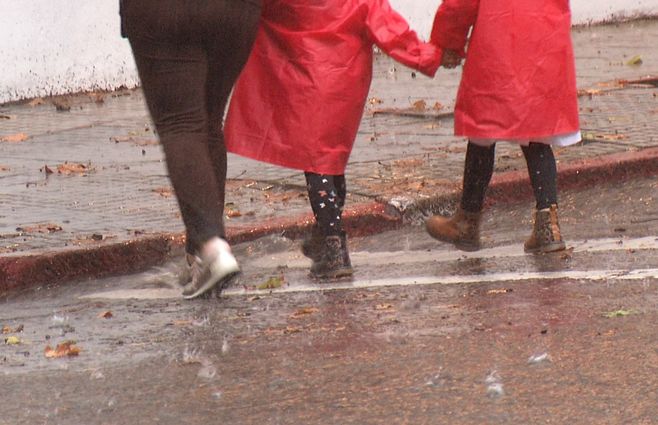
<point x="450" y="59"/>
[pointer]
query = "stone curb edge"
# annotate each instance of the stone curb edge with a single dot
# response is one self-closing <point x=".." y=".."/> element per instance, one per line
<point x="360" y="220"/>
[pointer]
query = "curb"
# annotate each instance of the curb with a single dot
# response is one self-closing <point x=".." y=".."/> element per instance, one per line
<point x="515" y="185"/>
<point x="360" y="220"/>
<point x="22" y="271"/>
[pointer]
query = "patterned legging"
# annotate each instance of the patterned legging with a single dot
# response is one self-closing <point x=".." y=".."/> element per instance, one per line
<point x="327" y="196"/>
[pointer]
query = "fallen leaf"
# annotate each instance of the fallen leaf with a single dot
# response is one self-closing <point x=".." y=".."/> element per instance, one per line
<point x="165" y="192"/>
<point x="291" y="330"/>
<point x="40" y="228"/>
<point x="137" y="141"/>
<point x="46" y="169"/>
<point x="635" y="60"/>
<point x="105" y="315"/>
<point x="619" y="313"/>
<point x="384" y="307"/>
<point x="65" y="349"/>
<point x="36" y="102"/>
<point x="272" y="283"/>
<point x="73" y="168"/>
<point x="500" y="291"/>
<point x="419" y="105"/>
<point x="304" y="312"/>
<point x="437" y="106"/>
<point x="14" y="138"/>
<point x="12" y="340"/>
<point x="231" y="213"/>
<point x="589" y="92"/>
<point x="7" y="117"/>
<point x="375" y="101"/>
<point x="4" y="168"/>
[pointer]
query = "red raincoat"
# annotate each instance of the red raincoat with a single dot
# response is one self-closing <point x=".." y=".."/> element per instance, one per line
<point x="299" y="100"/>
<point x="519" y="77"/>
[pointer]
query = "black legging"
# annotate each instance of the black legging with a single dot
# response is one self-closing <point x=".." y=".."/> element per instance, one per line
<point x="327" y="196"/>
<point x="189" y="54"/>
<point x="479" y="166"/>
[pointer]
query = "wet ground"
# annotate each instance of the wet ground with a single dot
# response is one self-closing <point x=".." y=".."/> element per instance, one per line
<point x="423" y="334"/>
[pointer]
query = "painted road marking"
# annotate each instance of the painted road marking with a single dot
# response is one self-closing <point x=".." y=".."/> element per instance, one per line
<point x="589" y="275"/>
<point x="293" y="260"/>
<point x="407" y="257"/>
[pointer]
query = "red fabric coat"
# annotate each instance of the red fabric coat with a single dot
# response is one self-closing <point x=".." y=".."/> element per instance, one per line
<point x="519" y="77"/>
<point x="299" y="100"/>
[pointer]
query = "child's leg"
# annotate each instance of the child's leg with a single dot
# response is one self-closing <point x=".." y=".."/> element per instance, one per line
<point x="463" y="228"/>
<point x="546" y="235"/>
<point x="327" y="246"/>
<point x="543" y="173"/>
<point x="327" y="196"/>
<point x="478" y="169"/>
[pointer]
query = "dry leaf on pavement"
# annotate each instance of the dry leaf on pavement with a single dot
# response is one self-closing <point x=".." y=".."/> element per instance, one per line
<point x="40" y="228"/>
<point x="65" y="349"/>
<point x="73" y="168"/>
<point x="14" y="138"/>
<point x="272" y="283"/>
<point x="304" y="312"/>
<point x="165" y="192"/>
<point x="105" y="315"/>
<point x="12" y="340"/>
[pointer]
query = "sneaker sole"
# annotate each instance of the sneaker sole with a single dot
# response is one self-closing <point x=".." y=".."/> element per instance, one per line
<point x="219" y="284"/>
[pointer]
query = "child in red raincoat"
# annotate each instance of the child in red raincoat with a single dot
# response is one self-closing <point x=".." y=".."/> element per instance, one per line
<point x="518" y="85"/>
<point x="300" y="98"/>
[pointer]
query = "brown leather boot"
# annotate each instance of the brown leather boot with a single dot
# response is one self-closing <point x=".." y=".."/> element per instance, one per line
<point x="546" y="236"/>
<point x="334" y="261"/>
<point x="462" y="229"/>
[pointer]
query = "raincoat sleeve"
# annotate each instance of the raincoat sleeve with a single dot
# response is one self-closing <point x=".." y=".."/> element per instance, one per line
<point x="391" y="33"/>
<point x="452" y="23"/>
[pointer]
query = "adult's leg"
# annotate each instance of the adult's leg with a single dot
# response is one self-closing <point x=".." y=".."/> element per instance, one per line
<point x="543" y="173"/>
<point x="174" y="78"/>
<point x="229" y="45"/>
<point x="478" y="169"/>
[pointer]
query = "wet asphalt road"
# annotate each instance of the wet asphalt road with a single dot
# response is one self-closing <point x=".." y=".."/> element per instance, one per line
<point x="424" y="334"/>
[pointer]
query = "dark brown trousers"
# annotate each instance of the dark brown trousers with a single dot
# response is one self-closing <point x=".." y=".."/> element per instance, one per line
<point x="189" y="54"/>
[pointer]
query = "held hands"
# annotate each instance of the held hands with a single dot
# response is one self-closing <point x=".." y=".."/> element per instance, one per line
<point x="450" y="59"/>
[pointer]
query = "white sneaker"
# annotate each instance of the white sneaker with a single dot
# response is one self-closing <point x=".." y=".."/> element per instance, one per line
<point x="216" y="266"/>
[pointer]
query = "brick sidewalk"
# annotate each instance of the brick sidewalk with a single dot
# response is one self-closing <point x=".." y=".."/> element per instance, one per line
<point x="92" y="176"/>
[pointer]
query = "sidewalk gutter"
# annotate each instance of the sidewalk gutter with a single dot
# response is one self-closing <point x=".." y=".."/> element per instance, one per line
<point x="21" y="271"/>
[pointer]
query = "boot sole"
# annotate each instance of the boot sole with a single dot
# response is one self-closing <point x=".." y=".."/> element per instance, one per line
<point x="462" y="246"/>
<point x="337" y="274"/>
<point x="546" y="249"/>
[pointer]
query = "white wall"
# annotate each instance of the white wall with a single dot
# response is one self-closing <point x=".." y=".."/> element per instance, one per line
<point x="63" y="46"/>
<point x="421" y="12"/>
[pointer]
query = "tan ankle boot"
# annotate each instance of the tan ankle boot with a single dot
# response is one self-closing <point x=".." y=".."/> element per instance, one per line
<point x="462" y="229"/>
<point x="546" y="236"/>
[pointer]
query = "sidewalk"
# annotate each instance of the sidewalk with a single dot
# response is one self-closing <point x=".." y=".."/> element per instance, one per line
<point x="86" y="192"/>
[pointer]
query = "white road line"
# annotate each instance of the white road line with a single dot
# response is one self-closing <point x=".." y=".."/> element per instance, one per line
<point x="294" y="260"/>
<point x="410" y="257"/>
<point x="589" y="275"/>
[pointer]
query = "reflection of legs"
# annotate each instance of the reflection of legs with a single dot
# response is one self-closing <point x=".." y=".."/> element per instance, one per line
<point x="478" y="169"/>
<point x="543" y="173"/>
<point x="463" y="228"/>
